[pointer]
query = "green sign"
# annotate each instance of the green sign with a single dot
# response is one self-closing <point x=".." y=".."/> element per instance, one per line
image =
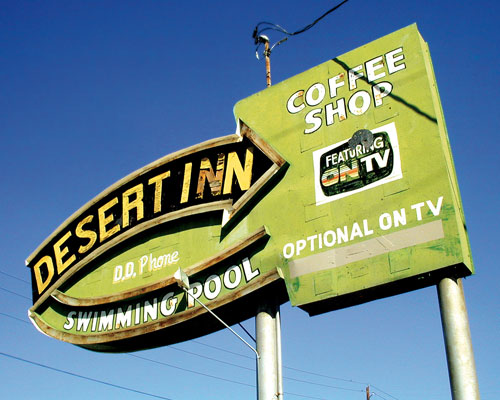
<point x="105" y="278"/>
<point x="370" y="205"/>
<point x="338" y="185"/>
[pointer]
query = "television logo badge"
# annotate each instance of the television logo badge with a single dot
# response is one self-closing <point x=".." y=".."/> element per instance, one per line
<point x="368" y="159"/>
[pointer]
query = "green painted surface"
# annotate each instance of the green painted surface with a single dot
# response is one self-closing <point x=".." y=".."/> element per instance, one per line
<point x="422" y="191"/>
<point x="347" y="223"/>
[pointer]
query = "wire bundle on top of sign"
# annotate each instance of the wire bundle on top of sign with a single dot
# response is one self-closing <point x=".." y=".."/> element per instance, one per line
<point x="263" y="26"/>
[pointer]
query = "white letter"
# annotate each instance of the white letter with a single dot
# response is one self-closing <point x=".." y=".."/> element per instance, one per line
<point x="332" y="83"/>
<point x="354" y="75"/>
<point x="106" y="321"/>
<point x="150" y="310"/>
<point x="418" y="208"/>
<point x="381" y="160"/>
<point x="381" y="90"/>
<point x="168" y="303"/>
<point x="288" y="254"/>
<point x="312" y="118"/>
<point x="340" y="111"/>
<point x="123" y="319"/>
<point x="291" y="107"/>
<point x="366" y="229"/>
<point x="118" y="274"/>
<point x="366" y="101"/>
<point x="83" y="321"/>
<point x="356" y="231"/>
<point x="399" y="217"/>
<point x="342" y="235"/>
<point x="247" y="269"/>
<point x="435" y="210"/>
<point x="237" y="277"/>
<point x="331" y="242"/>
<point x="371" y="68"/>
<point x="309" y="94"/>
<point x="194" y="291"/>
<point x="392" y="58"/>
<point x="311" y="241"/>
<point x="129" y="270"/>
<point x="143" y="261"/>
<point x="70" y="322"/>
<point x="385" y="221"/>
<point x="209" y="294"/>
<point x="301" y="245"/>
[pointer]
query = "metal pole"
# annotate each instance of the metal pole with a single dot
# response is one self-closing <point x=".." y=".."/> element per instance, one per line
<point x="278" y="354"/>
<point x="267" y="54"/>
<point x="267" y="365"/>
<point x="268" y="323"/>
<point x="459" y="353"/>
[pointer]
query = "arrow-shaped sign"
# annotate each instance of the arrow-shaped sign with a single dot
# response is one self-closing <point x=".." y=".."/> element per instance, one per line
<point x="219" y="174"/>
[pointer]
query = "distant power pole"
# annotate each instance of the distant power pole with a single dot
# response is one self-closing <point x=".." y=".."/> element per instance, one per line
<point x="368" y="393"/>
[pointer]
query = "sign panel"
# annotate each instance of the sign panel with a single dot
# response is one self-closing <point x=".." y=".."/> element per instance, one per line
<point x="370" y="205"/>
<point x="105" y="279"/>
<point x="338" y="188"/>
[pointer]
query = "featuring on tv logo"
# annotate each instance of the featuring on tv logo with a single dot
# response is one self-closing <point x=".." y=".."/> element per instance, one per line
<point x="347" y="167"/>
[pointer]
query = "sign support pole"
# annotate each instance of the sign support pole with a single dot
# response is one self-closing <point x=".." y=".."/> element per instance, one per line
<point x="456" y="331"/>
<point x="266" y="329"/>
<point x="268" y="322"/>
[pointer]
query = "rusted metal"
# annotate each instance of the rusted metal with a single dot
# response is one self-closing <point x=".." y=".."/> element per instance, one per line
<point x="267" y="54"/>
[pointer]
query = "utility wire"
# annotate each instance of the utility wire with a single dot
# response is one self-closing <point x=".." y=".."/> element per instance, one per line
<point x="234" y="365"/>
<point x="248" y="369"/>
<point x="128" y="388"/>
<point x="380" y="390"/>
<point x="264" y="26"/>
<point x="211" y="359"/>
<point x="14" y="277"/>
<point x="189" y="370"/>
<point x="221" y="349"/>
<point x="83" y="377"/>
<point x="14" y="293"/>
<point x="377" y="395"/>
<point x="18" y="319"/>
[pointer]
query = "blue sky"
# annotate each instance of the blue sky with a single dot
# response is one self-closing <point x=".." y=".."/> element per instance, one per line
<point x="91" y="91"/>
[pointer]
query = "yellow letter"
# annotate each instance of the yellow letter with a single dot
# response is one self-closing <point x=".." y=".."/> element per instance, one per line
<point x="105" y="220"/>
<point x="137" y="203"/>
<point x="243" y="176"/>
<point x="187" y="181"/>
<point x="207" y="174"/>
<point x="158" y="180"/>
<point x="40" y="283"/>
<point x="83" y="234"/>
<point x="60" y="253"/>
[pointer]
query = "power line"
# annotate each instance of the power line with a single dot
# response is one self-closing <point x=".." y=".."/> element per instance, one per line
<point x="15" y="294"/>
<point x="324" y="385"/>
<point x="18" y="319"/>
<point x="83" y="377"/>
<point x="221" y="349"/>
<point x="326" y="376"/>
<point x="220" y="361"/>
<point x="248" y="369"/>
<point x="234" y="365"/>
<point x="210" y="358"/>
<point x="14" y="277"/>
<point x="264" y="26"/>
<point x="380" y="390"/>
<point x="189" y="370"/>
